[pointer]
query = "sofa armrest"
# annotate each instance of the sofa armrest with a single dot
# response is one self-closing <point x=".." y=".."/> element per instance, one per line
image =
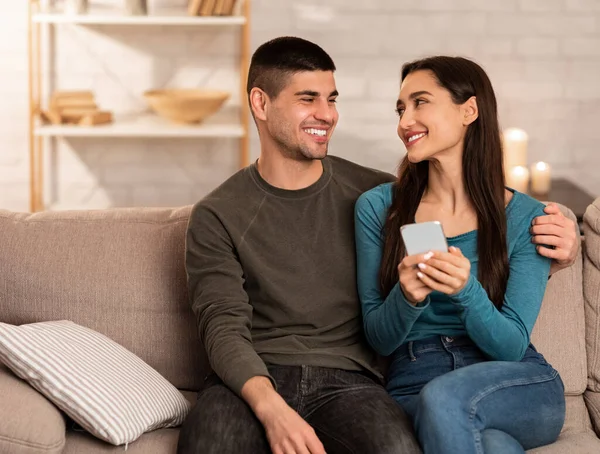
<point x="592" y="401"/>
<point x="29" y="423"/>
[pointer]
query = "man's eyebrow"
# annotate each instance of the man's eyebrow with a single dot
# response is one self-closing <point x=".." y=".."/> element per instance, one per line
<point x="414" y="95"/>
<point x="314" y="93"/>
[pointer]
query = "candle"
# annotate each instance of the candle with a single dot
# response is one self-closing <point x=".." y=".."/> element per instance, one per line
<point x="514" y="144"/>
<point x="540" y="178"/>
<point x="518" y="178"/>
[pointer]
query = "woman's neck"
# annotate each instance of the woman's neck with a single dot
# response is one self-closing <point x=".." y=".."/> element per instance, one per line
<point x="446" y="189"/>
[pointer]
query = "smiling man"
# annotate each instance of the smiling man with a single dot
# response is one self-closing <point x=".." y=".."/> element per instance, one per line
<point x="271" y="267"/>
<point x="270" y="258"/>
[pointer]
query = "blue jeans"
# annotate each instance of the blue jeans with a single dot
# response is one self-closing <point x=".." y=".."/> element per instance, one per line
<point x="461" y="402"/>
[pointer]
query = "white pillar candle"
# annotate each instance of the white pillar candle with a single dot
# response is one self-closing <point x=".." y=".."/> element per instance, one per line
<point x="514" y="145"/>
<point x="518" y="178"/>
<point x="540" y="178"/>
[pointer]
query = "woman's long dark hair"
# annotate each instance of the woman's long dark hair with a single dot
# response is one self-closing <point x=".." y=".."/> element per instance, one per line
<point x="482" y="173"/>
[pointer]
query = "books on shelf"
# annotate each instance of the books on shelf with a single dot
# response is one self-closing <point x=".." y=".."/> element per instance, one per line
<point x="211" y="7"/>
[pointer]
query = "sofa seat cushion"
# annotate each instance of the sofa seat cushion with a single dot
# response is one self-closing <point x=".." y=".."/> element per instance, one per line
<point x="591" y="290"/>
<point x="580" y="443"/>
<point x="29" y="423"/>
<point x="163" y="441"/>
<point x="102" y="386"/>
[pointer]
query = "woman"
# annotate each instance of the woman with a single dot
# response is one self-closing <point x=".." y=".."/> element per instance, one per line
<point x="457" y="324"/>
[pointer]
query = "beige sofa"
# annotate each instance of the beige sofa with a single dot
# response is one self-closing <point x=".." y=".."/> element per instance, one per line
<point x="121" y="272"/>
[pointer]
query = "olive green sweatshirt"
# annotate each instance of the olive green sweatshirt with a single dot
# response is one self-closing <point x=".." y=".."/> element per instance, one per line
<point x="272" y="273"/>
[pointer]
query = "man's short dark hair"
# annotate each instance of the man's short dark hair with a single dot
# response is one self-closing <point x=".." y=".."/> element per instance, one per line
<point x="276" y="60"/>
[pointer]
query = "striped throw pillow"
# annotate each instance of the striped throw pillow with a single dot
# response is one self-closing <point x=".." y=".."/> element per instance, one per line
<point x="101" y="385"/>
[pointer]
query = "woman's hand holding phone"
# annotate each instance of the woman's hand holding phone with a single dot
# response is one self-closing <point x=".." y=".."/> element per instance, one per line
<point x="414" y="289"/>
<point x="445" y="272"/>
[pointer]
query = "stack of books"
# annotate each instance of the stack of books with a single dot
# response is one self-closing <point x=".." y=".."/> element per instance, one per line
<point x="75" y="107"/>
<point x="211" y="7"/>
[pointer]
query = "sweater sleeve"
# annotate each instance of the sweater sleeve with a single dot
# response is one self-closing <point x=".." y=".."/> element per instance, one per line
<point x="220" y="303"/>
<point x="504" y="334"/>
<point x="387" y="321"/>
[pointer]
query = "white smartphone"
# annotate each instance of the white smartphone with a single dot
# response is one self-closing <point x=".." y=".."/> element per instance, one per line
<point x="423" y="237"/>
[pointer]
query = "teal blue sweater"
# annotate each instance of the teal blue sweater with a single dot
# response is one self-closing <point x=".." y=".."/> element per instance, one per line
<point x="501" y="334"/>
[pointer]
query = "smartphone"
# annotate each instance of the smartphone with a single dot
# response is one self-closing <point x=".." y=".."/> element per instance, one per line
<point x="423" y="237"/>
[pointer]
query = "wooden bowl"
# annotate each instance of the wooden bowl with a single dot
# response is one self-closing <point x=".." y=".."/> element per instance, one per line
<point x="186" y="105"/>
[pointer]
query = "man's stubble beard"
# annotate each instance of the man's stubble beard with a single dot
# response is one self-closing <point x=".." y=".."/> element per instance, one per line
<point x="295" y="151"/>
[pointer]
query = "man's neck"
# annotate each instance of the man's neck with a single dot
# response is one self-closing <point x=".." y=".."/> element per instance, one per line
<point x="289" y="174"/>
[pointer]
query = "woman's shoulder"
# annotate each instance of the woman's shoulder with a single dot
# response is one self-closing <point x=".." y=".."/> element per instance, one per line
<point x="378" y="197"/>
<point x="372" y="206"/>
<point x="522" y="209"/>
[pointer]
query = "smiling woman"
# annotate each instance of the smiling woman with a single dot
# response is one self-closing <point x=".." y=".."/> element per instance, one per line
<point x="457" y="323"/>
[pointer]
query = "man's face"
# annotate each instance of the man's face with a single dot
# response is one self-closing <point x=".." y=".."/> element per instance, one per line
<point x="303" y="116"/>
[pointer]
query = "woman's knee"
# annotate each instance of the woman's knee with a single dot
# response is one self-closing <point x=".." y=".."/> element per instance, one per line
<point x="441" y="401"/>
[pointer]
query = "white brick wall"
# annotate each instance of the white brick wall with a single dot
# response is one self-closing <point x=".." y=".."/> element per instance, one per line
<point x="543" y="57"/>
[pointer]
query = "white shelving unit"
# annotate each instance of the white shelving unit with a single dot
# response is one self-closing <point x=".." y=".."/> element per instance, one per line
<point x="142" y="126"/>
<point x="149" y="126"/>
<point x="164" y="17"/>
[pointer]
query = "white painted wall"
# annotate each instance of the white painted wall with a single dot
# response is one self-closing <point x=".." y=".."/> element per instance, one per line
<point x="543" y="57"/>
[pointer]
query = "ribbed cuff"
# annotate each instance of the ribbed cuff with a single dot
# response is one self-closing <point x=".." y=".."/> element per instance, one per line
<point x="404" y="305"/>
<point x="237" y="376"/>
<point x="466" y="295"/>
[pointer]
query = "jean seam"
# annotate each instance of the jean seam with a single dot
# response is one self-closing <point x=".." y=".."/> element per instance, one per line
<point x="343" y="443"/>
<point x="336" y="393"/>
<point x="503" y="385"/>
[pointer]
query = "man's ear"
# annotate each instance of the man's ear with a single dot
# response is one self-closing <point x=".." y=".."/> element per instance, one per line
<point x="258" y="103"/>
<point x="470" y="111"/>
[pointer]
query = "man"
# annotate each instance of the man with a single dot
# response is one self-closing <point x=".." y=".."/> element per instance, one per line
<point x="271" y="268"/>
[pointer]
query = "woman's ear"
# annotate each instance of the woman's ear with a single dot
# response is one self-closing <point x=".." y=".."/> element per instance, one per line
<point x="258" y="103"/>
<point x="470" y="111"/>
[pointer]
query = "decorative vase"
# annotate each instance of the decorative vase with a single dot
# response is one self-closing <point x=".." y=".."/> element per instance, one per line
<point x="136" y="7"/>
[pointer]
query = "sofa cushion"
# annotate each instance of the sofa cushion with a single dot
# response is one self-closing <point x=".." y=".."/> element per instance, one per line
<point x="559" y="332"/>
<point x="29" y="423"/>
<point x="591" y="289"/>
<point x="119" y="272"/>
<point x="580" y="443"/>
<point x="102" y="386"/>
<point x="163" y="441"/>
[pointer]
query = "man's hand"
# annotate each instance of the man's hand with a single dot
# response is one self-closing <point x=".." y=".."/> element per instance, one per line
<point x="556" y="230"/>
<point x="286" y="431"/>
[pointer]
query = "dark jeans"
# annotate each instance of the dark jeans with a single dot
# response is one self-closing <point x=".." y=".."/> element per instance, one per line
<point x="350" y="412"/>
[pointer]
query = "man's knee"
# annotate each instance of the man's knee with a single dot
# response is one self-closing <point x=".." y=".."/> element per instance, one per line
<point x="220" y="422"/>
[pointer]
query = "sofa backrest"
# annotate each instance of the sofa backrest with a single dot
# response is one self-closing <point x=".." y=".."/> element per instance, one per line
<point x="591" y="288"/>
<point x="118" y="271"/>
<point x="559" y="333"/>
<point x="121" y="272"/>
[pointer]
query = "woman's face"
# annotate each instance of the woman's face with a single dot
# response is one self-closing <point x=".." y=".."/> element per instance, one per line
<point x="430" y="124"/>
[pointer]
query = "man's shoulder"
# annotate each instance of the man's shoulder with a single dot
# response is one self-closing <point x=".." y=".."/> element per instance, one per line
<point x="358" y="176"/>
<point x="228" y="195"/>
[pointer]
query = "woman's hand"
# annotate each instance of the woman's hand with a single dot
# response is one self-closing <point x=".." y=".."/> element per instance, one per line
<point x="415" y="291"/>
<point x="445" y="272"/>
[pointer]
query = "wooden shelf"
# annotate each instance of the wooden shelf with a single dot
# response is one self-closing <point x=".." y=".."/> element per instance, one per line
<point x="233" y="125"/>
<point x="143" y="126"/>
<point x="165" y="17"/>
